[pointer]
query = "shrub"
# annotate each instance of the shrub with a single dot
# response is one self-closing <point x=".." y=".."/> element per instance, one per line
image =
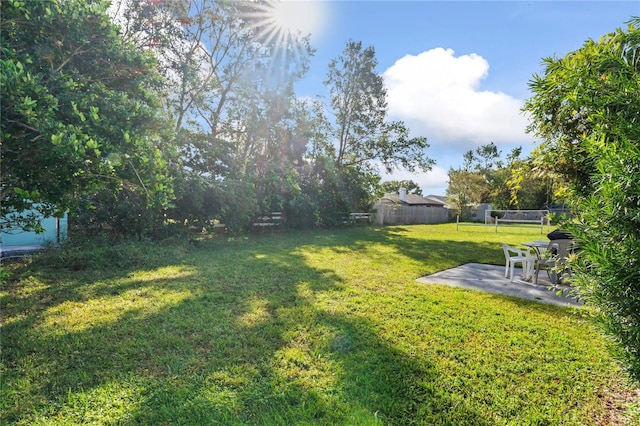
<point x="586" y="108"/>
<point x="100" y="253"/>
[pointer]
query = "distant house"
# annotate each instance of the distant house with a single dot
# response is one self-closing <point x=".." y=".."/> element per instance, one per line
<point x="406" y="209"/>
<point x="478" y="212"/>
<point x="473" y="212"/>
<point x="440" y="198"/>
<point x="20" y="242"/>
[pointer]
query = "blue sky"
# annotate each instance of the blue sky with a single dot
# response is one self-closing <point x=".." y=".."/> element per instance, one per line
<point x="456" y="72"/>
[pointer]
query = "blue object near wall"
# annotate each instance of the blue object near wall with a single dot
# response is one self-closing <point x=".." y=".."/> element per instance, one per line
<point x="55" y="232"/>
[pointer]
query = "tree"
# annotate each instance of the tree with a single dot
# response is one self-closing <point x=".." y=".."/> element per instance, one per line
<point x="362" y="139"/>
<point x="506" y="183"/>
<point x="359" y="103"/>
<point x="526" y="187"/>
<point x="464" y="190"/>
<point x="486" y="162"/>
<point x="228" y="87"/>
<point x="484" y="159"/>
<point x="393" y="187"/>
<point x="79" y="112"/>
<point x="586" y="110"/>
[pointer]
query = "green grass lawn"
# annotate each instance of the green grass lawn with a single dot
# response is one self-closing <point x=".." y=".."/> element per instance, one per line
<point x="323" y="327"/>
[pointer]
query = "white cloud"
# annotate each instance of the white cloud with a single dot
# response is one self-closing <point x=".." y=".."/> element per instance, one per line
<point x="434" y="182"/>
<point x="438" y="95"/>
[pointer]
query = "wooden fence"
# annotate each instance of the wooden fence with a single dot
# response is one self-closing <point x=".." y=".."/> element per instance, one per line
<point x="408" y="215"/>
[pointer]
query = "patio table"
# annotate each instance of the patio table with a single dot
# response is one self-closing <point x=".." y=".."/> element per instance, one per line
<point x="540" y="248"/>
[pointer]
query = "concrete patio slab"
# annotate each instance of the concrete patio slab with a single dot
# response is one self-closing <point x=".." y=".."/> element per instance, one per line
<point x="490" y="278"/>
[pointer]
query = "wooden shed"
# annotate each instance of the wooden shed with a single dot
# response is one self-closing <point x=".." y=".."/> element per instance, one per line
<point x="407" y="209"/>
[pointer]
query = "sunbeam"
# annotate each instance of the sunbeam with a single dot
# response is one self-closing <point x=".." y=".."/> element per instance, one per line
<point x="285" y="21"/>
<point x="286" y="27"/>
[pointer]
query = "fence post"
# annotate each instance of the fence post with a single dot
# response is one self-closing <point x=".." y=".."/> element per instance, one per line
<point x="457" y="221"/>
<point x="497" y="220"/>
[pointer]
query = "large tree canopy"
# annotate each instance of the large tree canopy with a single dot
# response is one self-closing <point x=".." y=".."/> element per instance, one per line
<point x="359" y="103"/>
<point x="79" y="113"/>
<point x="82" y="98"/>
<point x="228" y="89"/>
<point x="586" y="110"/>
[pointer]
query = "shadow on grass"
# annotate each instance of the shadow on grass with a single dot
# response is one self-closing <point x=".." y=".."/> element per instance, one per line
<point x="231" y="336"/>
<point x="435" y="254"/>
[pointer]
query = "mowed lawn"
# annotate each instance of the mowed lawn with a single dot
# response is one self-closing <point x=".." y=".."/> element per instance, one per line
<point x="320" y="327"/>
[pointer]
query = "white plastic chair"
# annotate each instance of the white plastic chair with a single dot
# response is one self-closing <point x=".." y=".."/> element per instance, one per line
<point x="554" y="260"/>
<point x="515" y="255"/>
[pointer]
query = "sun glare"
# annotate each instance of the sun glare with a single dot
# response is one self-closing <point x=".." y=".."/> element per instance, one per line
<point x="283" y="21"/>
<point x="299" y="16"/>
<point x="285" y="28"/>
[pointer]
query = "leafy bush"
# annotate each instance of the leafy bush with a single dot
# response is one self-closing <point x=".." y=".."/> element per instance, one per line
<point x="4" y="274"/>
<point x="302" y="212"/>
<point x="99" y="252"/>
<point x="586" y="109"/>
<point x="608" y="228"/>
<point x="124" y="213"/>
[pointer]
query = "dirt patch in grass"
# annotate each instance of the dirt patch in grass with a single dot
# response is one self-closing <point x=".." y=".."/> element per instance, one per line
<point x="622" y="407"/>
